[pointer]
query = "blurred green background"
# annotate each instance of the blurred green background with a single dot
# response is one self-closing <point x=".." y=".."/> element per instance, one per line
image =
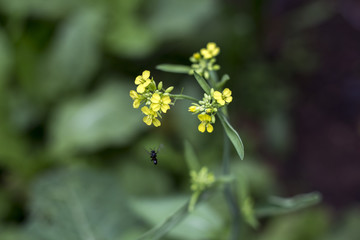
<point x="73" y="160"/>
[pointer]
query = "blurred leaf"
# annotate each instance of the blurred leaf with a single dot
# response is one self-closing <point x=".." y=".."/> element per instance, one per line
<point x="162" y="229"/>
<point x="78" y="204"/>
<point x="232" y="135"/>
<point x="202" y="82"/>
<point x="223" y="81"/>
<point x="174" y="68"/>
<point x="6" y="58"/>
<point x="177" y="18"/>
<point x="74" y="54"/>
<point x="128" y="34"/>
<point x="286" y="205"/>
<point x="12" y="232"/>
<point x="190" y="157"/>
<point x="104" y="118"/>
<point x="309" y="225"/>
<point x="348" y="227"/>
<point x="203" y="223"/>
<point x="46" y="9"/>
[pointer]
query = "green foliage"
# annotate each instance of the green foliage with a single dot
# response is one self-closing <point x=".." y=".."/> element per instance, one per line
<point x="92" y="122"/>
<point x="174" y="68"/>
<point x="65" y="73"/>
<point x="233" y="136"/>
<point x="78" y="204"/>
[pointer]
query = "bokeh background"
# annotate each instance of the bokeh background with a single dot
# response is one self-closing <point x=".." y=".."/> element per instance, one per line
<point x="73" y="160"/>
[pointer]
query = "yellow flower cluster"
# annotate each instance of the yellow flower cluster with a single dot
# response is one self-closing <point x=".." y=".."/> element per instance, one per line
<point x="156" y="100"/>
<point x="208" y="107"/>
<point x="204" y="61"/>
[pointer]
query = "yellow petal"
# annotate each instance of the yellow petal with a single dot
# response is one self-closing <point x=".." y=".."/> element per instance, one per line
<point x="227" y="92"/>
<point x="140" y="88"/>
<point x="209" y="128"/>
<point x="166" y="99"/>
<point x="211" y="46"/>
<point x="201" y="127"/>
<point x="146" y="74"/>
<point x="133" y="94"/>
<point x="136" y="103"/>
<point x="201" y="117"/>
<point x="228" y="99"/>
<point x="192" y="109"/>
<point x="155" y="98"/>
<point x="164" y="108"/>
<point x="147" y="120"/>
<point x="217" y="95"/>
<point x="138" y="80"/>
<point x="216" y="51"/>
<point x="156" y="122"/>
<point x="155" y="107"/>
<point x="145" y="110"/>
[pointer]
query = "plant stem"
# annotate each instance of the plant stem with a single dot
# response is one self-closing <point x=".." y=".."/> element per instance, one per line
<point x="229" y="193"/>
<point x="181" y="96"/>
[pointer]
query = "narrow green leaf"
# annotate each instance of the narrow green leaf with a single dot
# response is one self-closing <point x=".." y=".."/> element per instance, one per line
<point x="232" y="135"/>
<point x="222" y="82"/>
<point x="202" y="82"/>
<point x="174" y="68"/>
<point x="162" y="229"/>
<point x="190" y="157"/>
<point x="280" y="205"/>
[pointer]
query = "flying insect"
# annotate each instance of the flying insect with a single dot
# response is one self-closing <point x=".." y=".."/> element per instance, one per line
<point x="153" y="155"/>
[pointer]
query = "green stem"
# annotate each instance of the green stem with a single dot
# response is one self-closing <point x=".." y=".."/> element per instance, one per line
<point x="229" y="193"/>
<point x="182" y="96"/>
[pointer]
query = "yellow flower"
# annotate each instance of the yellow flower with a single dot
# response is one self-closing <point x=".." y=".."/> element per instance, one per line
<point x="210" y="51"/>
<point x="143" y="81"/>
<point x="201" y="180"/>
<point x="160" y="102"/>
<point x="150" y="117"/>
<point x="136" y="97"/>
<point x="193" y="109"/>
<point x="205" y="123"/>
<point x="224" y="97"/>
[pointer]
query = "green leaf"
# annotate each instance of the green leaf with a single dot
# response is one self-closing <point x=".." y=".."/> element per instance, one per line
<point x="74" y="54"/>
<point x="181" y="224"/>
<point x="224" y="79"/>
<point x="92" y="122"/>
<point x="174" y="68"/>
<point x="232" y="135"/>
<point x="280" y="205"/>
<point x="171" y="222"/>
<point x="202" y="82"/>
<point x="78" y="204"/>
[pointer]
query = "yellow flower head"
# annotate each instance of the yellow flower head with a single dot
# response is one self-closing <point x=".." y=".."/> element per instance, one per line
<point x="201" y="180"/>
<point x="136" y="97"/>
<point x="205" y="123"/>
<point x="193" y="109"/>
<point x="160" y="102"/>
<point x="224" y="97"/>
<point x="151" y="117"/>
<point x="210" y="51"/>
<point x="143" y="81"/>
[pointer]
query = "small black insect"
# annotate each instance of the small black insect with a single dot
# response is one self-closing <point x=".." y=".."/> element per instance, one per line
<point x="153" y="155"/>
